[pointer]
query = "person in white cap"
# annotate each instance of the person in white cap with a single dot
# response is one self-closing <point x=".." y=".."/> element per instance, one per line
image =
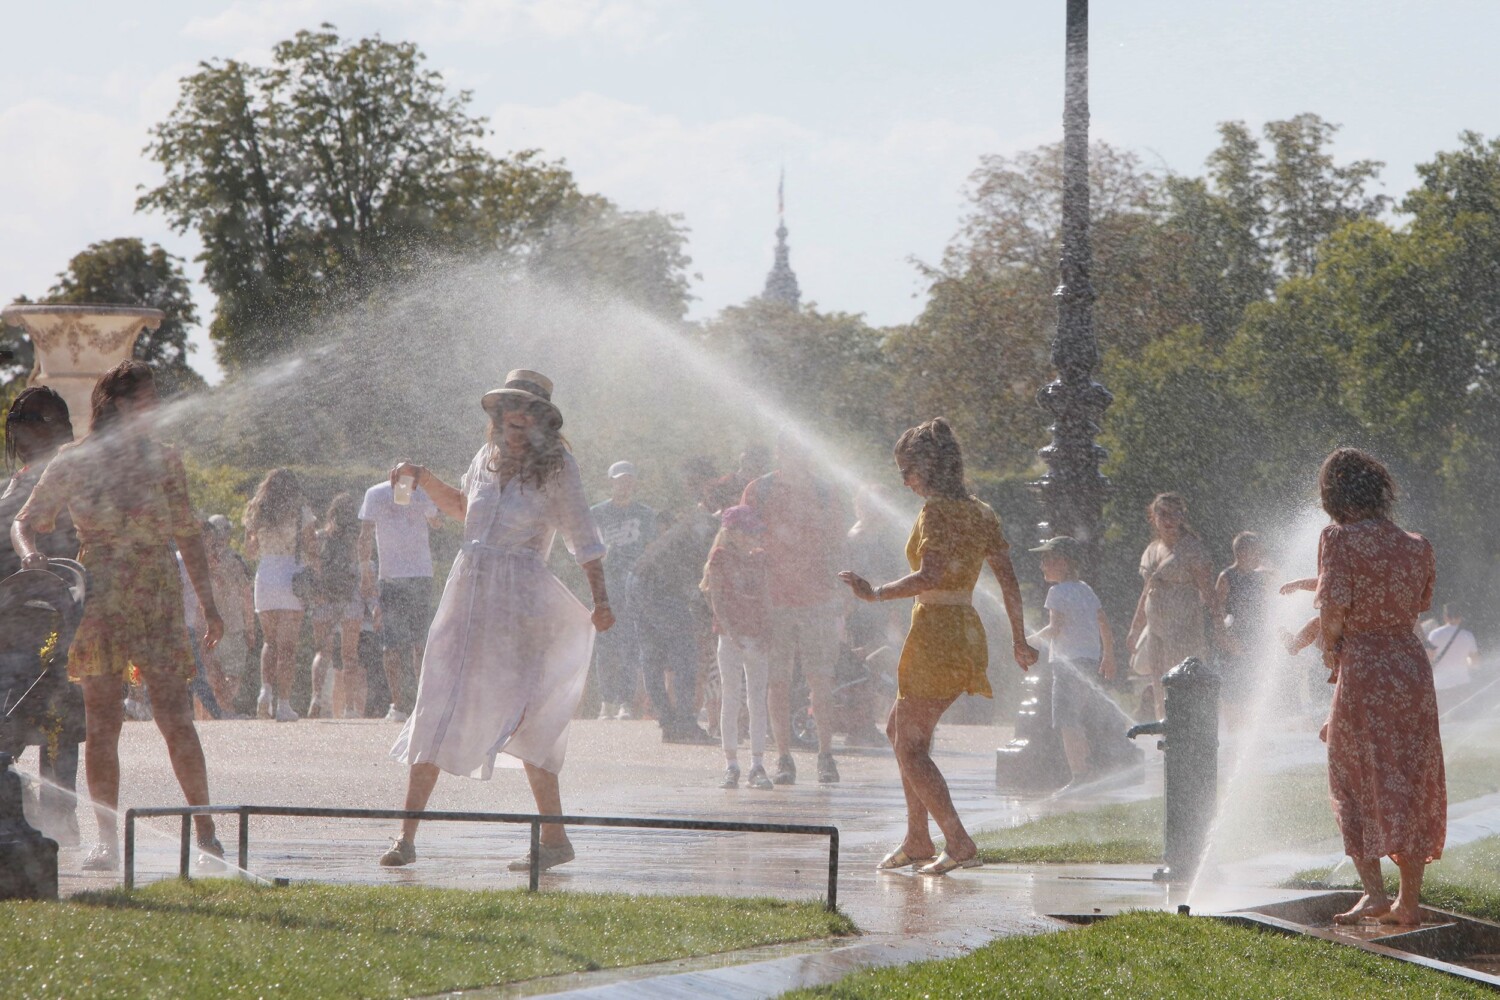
<point x="627" y="527"/>
<point x="508" y="651"/>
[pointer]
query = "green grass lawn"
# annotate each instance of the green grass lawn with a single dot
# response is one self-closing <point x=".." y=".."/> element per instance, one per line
<point x="1466" y="880"/>
<point x="1118" y="834"/>
<point x="1159" y="956"/>
<point x="218" y="937"/>
<point x="1290" y="809"/>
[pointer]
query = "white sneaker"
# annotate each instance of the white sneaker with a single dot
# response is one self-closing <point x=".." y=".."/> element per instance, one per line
<point x="265" y="705"/>
<point x="285" y="712"/>
<point x="624" y="712"/>
<point x="395" y="715"/>
<point x="137" y="710"/>
<point x="607" y="710"/>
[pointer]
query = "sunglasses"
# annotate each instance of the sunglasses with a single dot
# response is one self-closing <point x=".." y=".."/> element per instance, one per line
<point x="28" y="418"/>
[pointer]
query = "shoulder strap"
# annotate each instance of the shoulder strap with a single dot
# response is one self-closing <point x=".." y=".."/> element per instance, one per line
<point x="1447" y="645"/>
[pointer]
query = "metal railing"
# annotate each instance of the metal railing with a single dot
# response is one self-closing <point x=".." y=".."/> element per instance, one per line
<point x="244" y="812"/>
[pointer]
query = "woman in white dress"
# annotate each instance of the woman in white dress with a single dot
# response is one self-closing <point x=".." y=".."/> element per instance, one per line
<point x="509" y="647"/>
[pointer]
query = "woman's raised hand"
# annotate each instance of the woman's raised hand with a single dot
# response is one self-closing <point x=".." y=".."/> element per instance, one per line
<point x="858" y="584"/>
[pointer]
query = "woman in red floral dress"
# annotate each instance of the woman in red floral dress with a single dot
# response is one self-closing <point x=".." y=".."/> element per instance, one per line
<point x="1385" y="757"/>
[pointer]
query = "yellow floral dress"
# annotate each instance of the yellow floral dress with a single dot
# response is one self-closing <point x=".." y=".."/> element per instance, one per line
<point x="128" y="504"/>
<point x="946" y="653"/>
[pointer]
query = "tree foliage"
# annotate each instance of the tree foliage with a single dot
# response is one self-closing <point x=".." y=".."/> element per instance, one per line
<point x="345" y="165"/>
<point x="979" y="350"/>
<point x="1385" y="342"/>
<point x="828" y="368"/>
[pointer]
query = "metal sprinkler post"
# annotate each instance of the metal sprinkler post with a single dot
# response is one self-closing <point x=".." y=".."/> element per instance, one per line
<point x="1191" y="741"/>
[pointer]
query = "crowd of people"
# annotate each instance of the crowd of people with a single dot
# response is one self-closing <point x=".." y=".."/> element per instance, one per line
<point x="723" y="618"/>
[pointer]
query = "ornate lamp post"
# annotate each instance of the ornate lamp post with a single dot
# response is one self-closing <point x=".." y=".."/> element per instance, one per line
<point x="1073" y="490"/>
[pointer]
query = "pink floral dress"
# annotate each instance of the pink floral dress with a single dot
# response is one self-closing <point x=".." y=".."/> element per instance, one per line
<point x="1385" y="756"/>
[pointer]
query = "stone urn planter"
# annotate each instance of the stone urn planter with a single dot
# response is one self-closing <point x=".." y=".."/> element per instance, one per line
<point x="75" y="344"/>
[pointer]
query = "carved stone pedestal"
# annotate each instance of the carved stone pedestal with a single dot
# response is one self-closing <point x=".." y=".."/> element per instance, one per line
<point x="75" y="344"/>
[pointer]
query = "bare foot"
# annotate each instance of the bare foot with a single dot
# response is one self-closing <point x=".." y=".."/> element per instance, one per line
<point x="1368" y="908"/>
<point x="1403" y="915"/>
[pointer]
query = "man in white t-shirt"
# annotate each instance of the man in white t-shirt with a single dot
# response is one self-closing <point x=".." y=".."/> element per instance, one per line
<point x="398" y="536"/>
<point x="1453" y="652"/>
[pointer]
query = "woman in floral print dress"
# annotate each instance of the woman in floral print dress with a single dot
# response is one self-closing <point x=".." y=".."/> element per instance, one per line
<point x="1385" y="756"/>
<point x="127" y="494"/>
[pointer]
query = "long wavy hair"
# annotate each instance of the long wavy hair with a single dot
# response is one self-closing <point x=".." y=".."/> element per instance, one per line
<point x="342" y="518"/>
<point x="1172" y="501"/>
<point x="120" y="382"/>
<point x="277" y="500"/>
<point x="42" y="402"/>
<point x="545" y="446"/>
<point x="932" y="449"/>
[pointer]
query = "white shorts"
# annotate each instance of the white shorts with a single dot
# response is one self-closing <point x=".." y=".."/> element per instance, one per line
<point x="273" y="584"/>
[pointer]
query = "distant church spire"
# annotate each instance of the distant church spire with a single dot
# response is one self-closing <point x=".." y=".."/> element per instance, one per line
<point x="781" y="283"/>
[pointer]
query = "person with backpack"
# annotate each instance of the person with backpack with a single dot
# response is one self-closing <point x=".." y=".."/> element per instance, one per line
<point x="337" y="609"/>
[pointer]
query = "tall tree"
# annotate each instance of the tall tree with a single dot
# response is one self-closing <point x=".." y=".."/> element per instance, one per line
<point x="827" y="368"/>
<point x="1310" y="195"/>
<point x="346" y="164"/>
<point x="979" y="350"/>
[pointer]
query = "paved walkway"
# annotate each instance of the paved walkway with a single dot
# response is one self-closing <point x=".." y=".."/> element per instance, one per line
<point x="622" y="769"/>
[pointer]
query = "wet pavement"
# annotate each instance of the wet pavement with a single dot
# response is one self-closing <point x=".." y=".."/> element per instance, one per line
<point x="623" y="769"/>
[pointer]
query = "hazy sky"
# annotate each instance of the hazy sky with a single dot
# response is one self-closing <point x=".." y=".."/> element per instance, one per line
<point x="879" y="110"/>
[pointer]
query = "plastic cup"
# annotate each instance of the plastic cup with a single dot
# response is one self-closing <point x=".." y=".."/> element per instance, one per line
<point x="401" y="492"/>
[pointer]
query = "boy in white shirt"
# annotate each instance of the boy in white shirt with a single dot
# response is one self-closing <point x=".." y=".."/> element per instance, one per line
<point x="1079" y="645"/>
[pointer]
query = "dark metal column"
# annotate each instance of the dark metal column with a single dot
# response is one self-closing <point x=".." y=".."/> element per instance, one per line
<point x="1073" y="491"/>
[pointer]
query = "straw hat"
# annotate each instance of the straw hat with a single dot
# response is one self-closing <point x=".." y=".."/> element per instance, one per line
<point x="526" y="386"/>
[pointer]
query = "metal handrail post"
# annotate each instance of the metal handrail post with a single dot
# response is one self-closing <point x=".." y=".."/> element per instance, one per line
<point x="129" y="849"/>
<point x="833" y="870"/>
<point x="182" y="849"/>
<point x="534" y="821"/>
<point x="534" y="873"/>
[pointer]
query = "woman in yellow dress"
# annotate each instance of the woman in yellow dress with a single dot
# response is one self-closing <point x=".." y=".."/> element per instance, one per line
<point x="945" y="654"/>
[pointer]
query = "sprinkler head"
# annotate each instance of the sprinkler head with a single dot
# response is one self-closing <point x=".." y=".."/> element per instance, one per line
<point x="1183" y="910"/>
